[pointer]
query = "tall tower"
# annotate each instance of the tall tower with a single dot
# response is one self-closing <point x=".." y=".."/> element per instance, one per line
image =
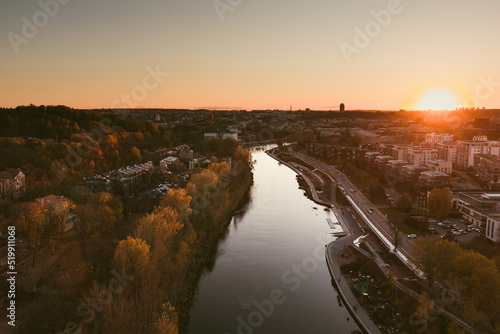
<point x="342" y="107"/>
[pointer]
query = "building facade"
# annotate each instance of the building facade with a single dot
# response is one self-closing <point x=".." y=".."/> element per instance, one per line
<point x="12" y="184"/>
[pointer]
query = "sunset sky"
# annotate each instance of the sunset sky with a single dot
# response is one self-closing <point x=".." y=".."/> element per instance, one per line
<point x="258" y="55"/>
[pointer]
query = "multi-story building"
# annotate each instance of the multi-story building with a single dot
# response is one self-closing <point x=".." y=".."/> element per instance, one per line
<point x="97" y="184"/>
<point x="396" y="166"/>
<point x="133" y="177"/>
<point x="382" y="160"/>
<point x="129" y="179"/>
<point x="165" y="163"/>
<point x="442" y="166"/>
<point x="60" y="206"/>
<point x="217" y="130"/>
<point x="371" y="156"/>
<point x="401" y="152"/>
<point x="438" y="137"/>
<point x="434" y="179"/>
<point x="487" y="167"/>
<point x="331" y="151"/>
<point x="493" y="148"/>
<point x="411" y="173"/>
<point x="447" y="151"/>
<point x="420" y="157"/>
<point x="468" y="148"/>
<point x="483" y="210"/>
<point x="12" y="184"/>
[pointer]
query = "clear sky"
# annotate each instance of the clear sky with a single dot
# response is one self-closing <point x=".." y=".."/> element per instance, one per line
<point x="251" y="53"/>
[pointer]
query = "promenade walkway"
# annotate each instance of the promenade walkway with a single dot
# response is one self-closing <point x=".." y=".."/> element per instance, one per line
<point x="353" y="231"/>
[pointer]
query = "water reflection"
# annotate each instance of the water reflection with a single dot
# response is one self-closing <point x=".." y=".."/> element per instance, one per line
<point x="270" y="275"/>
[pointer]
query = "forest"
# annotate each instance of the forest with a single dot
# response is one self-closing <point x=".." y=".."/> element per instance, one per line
<point x="55" y="146"/>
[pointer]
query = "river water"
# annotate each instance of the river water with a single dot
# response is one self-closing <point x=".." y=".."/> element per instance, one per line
<point x="270" y="274"/>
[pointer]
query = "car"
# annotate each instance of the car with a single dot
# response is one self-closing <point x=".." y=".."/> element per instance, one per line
<point x="387" y="195"/>
<point x="440" y="224"/>
<point x="412" y="236"/>
<point x="370" y="211"/>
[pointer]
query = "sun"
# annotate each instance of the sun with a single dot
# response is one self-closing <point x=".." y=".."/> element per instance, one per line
<point x="437" y="99"/>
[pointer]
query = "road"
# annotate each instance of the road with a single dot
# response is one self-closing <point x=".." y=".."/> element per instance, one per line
<point x="378" y="219"/>
<point x="354" y="232"/>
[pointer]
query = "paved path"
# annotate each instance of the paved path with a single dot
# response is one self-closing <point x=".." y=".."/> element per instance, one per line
<point x="353" y="232"/>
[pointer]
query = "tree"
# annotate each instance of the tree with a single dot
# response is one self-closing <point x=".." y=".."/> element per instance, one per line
<point x="202" y="187"/>
<point x="133" y="255"/>
<point x="424" y="308"/>
<point x="439" y="202"/>
<point x="404" y="203"/>
<point x="167" y="323"/>
<point x="471" y="312"/>
<point x="99" y="215"/>
<point x="159" y="226"/>
<point x="221" y="169"/>
<point x="482" y="281"/>
<point x="32" y="221"/>
<point x="436" y="258"/>
<point x="177" y="166"/>
<point x="179" y="200"/>
<point x="135" y="155"/>
<point x="376" y="191"/>
<point x="455" y="328"/>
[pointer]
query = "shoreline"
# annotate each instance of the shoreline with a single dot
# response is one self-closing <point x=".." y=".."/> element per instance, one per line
<point x="332" y="249"/>
<point x="190" y="285"/>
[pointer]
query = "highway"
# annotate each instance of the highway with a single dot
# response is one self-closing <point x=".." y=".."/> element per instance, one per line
<point x="377" y="221"/>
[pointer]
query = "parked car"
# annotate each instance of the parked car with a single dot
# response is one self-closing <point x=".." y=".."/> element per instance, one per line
<point x="412" y="236"/>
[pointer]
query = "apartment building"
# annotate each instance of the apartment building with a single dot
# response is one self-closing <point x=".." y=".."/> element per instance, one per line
<point x="487" y="167"/>
<point x="468" y="148"/>
<point x="442" y="166"/>
<point x="483" y="210"/>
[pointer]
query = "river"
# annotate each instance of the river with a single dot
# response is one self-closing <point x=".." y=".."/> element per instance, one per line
<point x="270" y="274"/>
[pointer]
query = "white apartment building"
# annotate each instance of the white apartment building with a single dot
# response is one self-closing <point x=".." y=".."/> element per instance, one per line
<point x="447" y="151"/>
<point x="401" y="152"/>
<point x="442" y="166"/>
<point x="438" y="137"/>
<point x="493" y="148"/>
<point x="467" y="148"/>
<point x="420" y="157"/>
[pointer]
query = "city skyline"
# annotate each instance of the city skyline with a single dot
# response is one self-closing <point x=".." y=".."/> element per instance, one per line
<point x="386" y="55"/>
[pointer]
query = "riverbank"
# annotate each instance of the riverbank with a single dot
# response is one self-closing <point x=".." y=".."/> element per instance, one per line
<point x="382" y="259"/>
<point x="205" y="252"/>
<point x="331" y="252"/>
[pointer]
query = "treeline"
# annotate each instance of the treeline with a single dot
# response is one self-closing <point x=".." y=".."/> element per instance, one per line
<point x="471" y="275"/>
<point x="165" y="252"/>
<point x="55" y="146"/>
